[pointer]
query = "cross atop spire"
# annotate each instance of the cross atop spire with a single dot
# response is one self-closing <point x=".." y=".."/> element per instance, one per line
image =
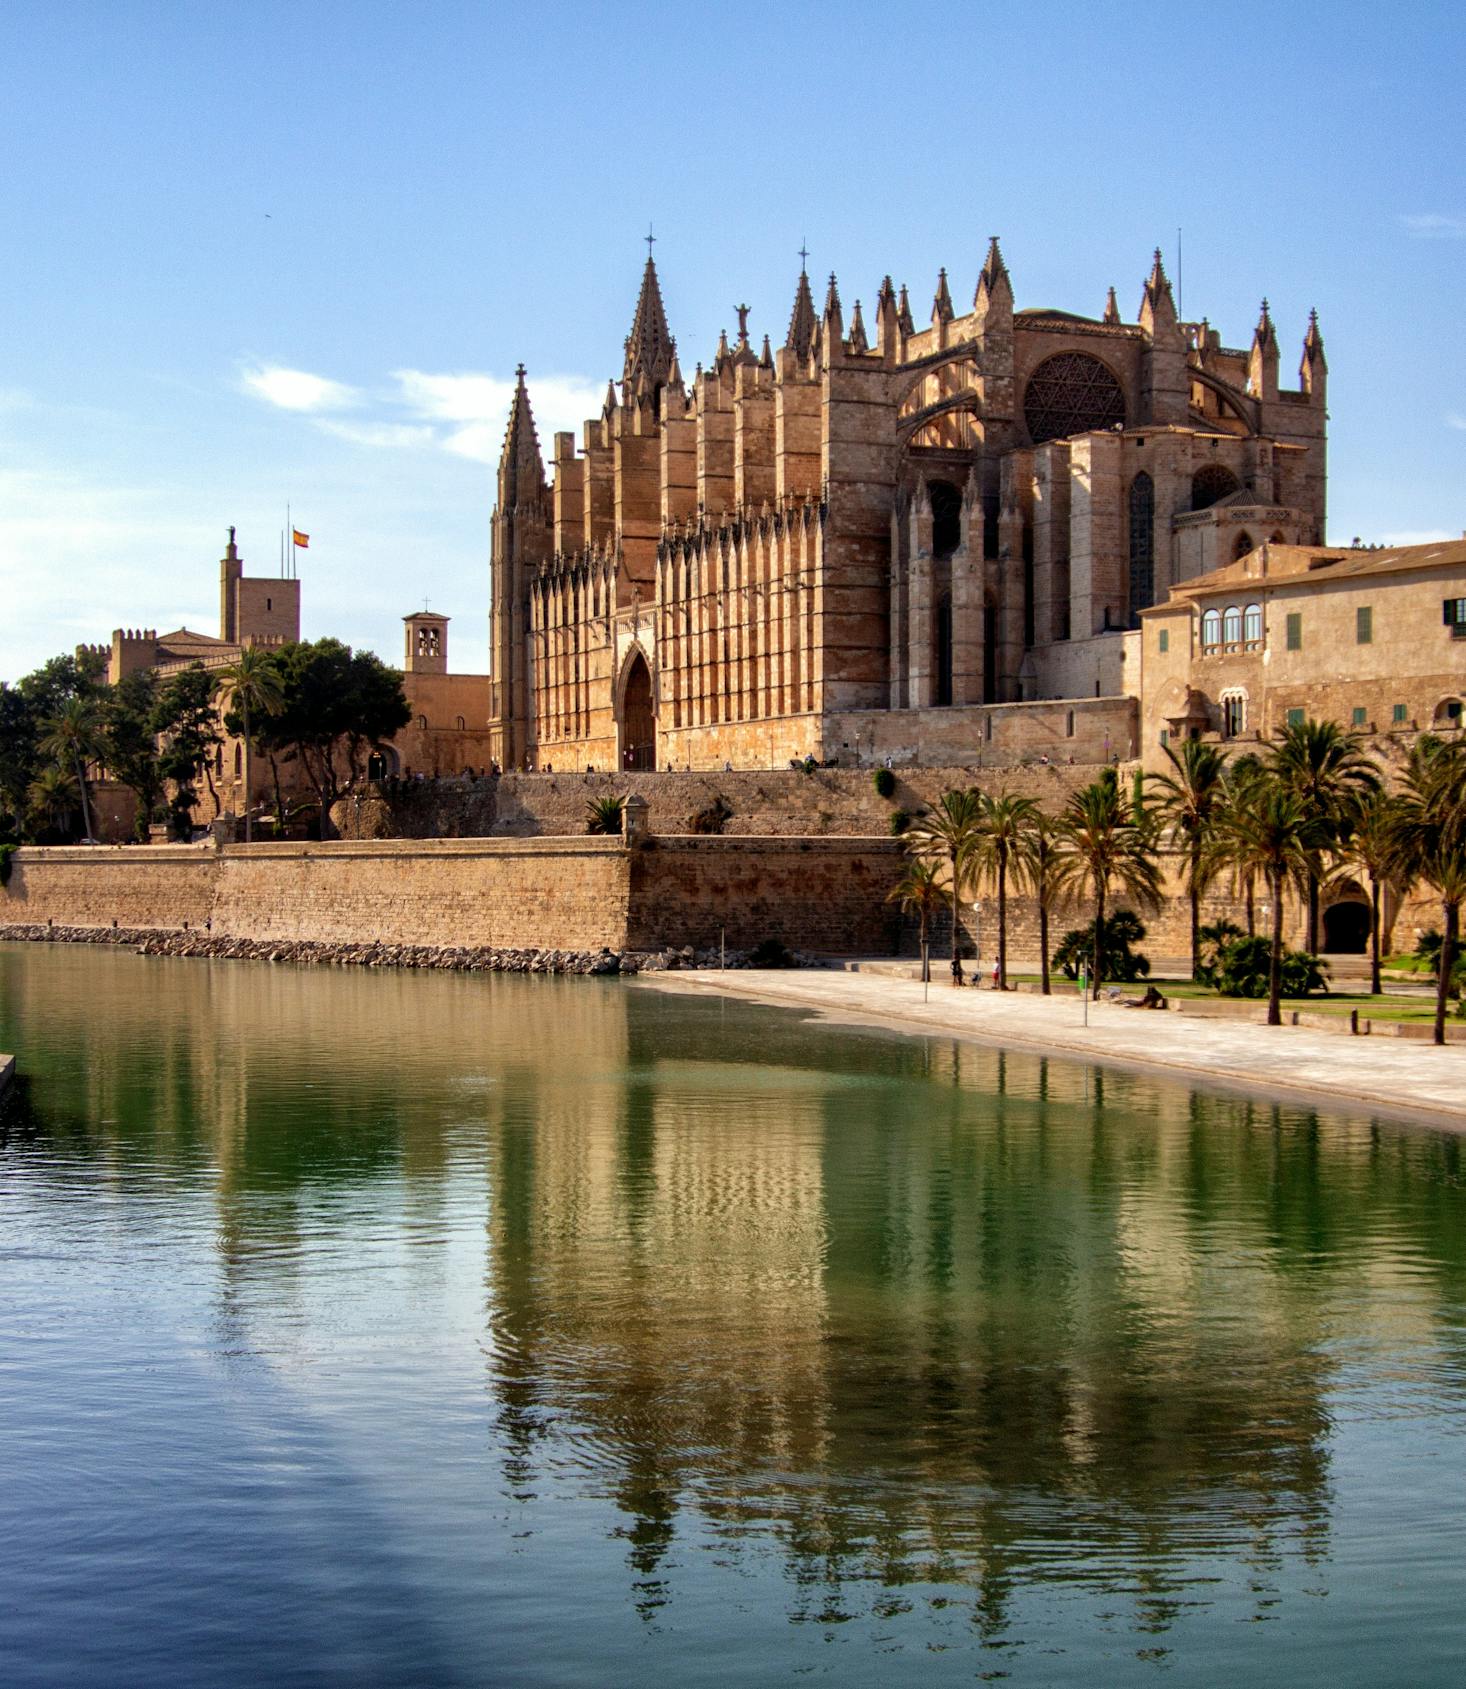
<point x="649" y="238"/>
<point x="803" y="256"/>
<point x="649" y="346"/>
<point x="521" y="470"/>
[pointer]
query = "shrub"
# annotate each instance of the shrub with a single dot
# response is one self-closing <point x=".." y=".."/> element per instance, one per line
<point x="884" y="781"/>
<point x="900" y="822"/>
<point x="1215" y="937"/>
<point x="714" y="818"/>
<point x="1123" y="963"/>
<point x="1243" y="966"/>
<point x="771" y="954"/>
<point x="604" y="815"/>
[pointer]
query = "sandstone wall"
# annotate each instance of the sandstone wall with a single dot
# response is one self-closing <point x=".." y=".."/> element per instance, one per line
<point x="101" y="885"/>
<point x="826" y="895"/>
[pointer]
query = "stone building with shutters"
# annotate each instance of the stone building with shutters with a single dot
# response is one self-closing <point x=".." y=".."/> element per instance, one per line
<point x="892" y="540"/>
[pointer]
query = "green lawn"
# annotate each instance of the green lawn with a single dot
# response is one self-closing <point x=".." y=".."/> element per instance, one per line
<point x="1407" y="1005"/>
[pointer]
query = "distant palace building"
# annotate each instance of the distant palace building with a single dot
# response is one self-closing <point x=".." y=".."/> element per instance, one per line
<point x="865" y="543"/>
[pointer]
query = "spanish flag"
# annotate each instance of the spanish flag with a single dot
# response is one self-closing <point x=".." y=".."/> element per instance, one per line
<point x="300" y="539"/>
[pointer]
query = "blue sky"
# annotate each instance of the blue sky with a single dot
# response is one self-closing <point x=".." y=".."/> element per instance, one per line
<point x="262" y="252"/>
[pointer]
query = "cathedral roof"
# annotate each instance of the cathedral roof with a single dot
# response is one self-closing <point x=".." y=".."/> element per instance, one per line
<point x="649" y="346"/>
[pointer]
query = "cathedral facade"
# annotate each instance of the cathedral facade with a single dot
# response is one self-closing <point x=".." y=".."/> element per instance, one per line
<point x="877" y="538"/>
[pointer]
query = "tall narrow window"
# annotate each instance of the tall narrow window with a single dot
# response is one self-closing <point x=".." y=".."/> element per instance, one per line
<point x="1142" y="545"/>
<point x="1364" y="625"/>
<point x="1211" y="630"/>
<point x="943" y="690"/>
<point x="1252" y="624"/>
<point x="1232" y="627"/>
<point x="1295" y="630"/>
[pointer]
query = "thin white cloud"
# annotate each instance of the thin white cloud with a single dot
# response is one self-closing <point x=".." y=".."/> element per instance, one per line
<point x="394" y="436"/>
<point x="1432" y="225"/>
<point x="298" y="389"/>
<point x="1454" y="419"/>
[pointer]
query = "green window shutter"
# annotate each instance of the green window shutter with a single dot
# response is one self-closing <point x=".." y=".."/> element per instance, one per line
<point x="1295" y="717"/>
<point x="1400" y="714"/>
<point x="1165" y="737"/>
<point x="1361" y="715"/>
<point x="1295" y="630"/>
<point x="1163" y="642"/>
<point x="1364" y="624"/>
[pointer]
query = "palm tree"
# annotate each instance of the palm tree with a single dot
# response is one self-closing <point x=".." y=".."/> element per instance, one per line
<point x="1038" y="873"/>
<point x="1275" y="834"/>
<point x="1430" y="845"/>
<point x="605" y="815"/>
<point x="946" y="834"/>
<point x="1328" y="769"/>
<point x="919" y="892"/>
<point x="1241" y="772"/>
<point x="252" y="686"/>
<point x="1191" y="800"/>
<point x="51" y="794"/>
<point x="71" y="737"/>
<point x="1371" y="850"/>
<point x="998" y="849"/>
<point x="1104" y="841"/>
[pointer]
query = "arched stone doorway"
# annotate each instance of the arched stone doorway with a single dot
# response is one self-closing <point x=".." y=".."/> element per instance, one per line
<point x="1346" y="929"/>
<point x="638" y="717"/>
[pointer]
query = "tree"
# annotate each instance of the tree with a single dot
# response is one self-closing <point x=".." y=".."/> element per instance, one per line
<point x="1329" y="771"/>
<point x="1038" y="871"/>
<point x="919" y="892"/>
<point x="946" y="834"/>
<point x="1429" y="845"/>
<point x="1191" y="798"/>
<point x="49" y="800"/>
<point x="18" y="757"/>
<point x="1275" y="834"/>
<point x="336" y="707"/>
<point x="187" y="723"/>
<point x="129" y="742"/>
<point x="999" y="845"/>
<point x="1104" y="841"/>
<point x="249" y="689"/>
<point x="1123" y="931"/>
<point x="72" y="738"/>
<point x="1370" y="850"/>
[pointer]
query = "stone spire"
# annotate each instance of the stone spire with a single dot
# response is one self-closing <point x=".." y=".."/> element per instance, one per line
<point x="802" y="320"/>
<point x="766" y="357"/>
<point x="833" y="324"/>
<point x="888" y="324"/>
<point x="942" y="311"/>
<point x="1112" y="310"/>
<point x="859" y="341"/>
<point x="1313" y="371"/>
<point x="1262" y="363"/>
<point x="903" y="312"/>
<point x="1158" y="307"/>
<point x="993" y="285"/>
<point x="649" y="346"/>
<point x="521" y="469"/>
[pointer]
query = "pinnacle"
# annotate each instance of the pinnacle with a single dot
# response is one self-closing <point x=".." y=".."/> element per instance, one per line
<point x="521" y="471"/>
<point x="1112" y="308"/>
<point x="942" y="304"/>
<point x="802" y="324"/>
<point x="649" y="345"/>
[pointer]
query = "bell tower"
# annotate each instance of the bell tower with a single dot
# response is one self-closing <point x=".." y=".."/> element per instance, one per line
<point x="427" y="643"/>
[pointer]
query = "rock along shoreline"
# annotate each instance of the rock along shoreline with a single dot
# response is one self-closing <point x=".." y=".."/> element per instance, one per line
<point x="149" y="941"/>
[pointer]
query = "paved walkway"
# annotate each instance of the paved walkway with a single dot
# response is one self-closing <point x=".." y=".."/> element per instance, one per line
<point x="1382" y="1075"/>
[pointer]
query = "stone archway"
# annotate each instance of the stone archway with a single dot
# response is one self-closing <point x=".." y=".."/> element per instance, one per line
<point x="638" y="716"/>
<point x="1346" y="928"/>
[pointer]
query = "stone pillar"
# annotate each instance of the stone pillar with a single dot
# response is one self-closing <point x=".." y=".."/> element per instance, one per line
<point x="1097" y="559"/>
<point x="635" y="821"/>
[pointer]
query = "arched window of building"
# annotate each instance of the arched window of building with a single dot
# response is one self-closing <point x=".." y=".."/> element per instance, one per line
<point x="1142" y="544"/>
<point x="1448" y="713"/>
<point x="946" y="504"/>
<point x="1275" y="538"/>
<point x="1241" y="547"/>
<point x="1071" y="393"/>
<point x="1211" y="630"/>
<point x="1252" y="626"/>
<point x="1212" y="482"/>
<point x="1234" y="712"/>
<point x="1232" y="627"/>
<point x="942" y="690"/>
<point x="238" y="761"/>
<point x="422" y="722"/>
<point x="461" y="724"/>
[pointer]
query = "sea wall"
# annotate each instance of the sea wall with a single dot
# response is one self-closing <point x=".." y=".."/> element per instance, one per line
<point x="572" y="894"/>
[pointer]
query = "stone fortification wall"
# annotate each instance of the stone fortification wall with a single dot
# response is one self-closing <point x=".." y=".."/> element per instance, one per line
<point x="823" y="895"/>
<point x="778" y="803"/>
<point x="160" y="886"/>
<point x="553" y="893"/>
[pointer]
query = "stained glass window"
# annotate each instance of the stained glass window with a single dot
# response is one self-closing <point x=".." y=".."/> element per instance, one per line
<point x="1071" y="393"/>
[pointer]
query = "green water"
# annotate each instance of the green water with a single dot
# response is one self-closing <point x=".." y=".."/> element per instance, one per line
<point x="372" y="1328"/>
